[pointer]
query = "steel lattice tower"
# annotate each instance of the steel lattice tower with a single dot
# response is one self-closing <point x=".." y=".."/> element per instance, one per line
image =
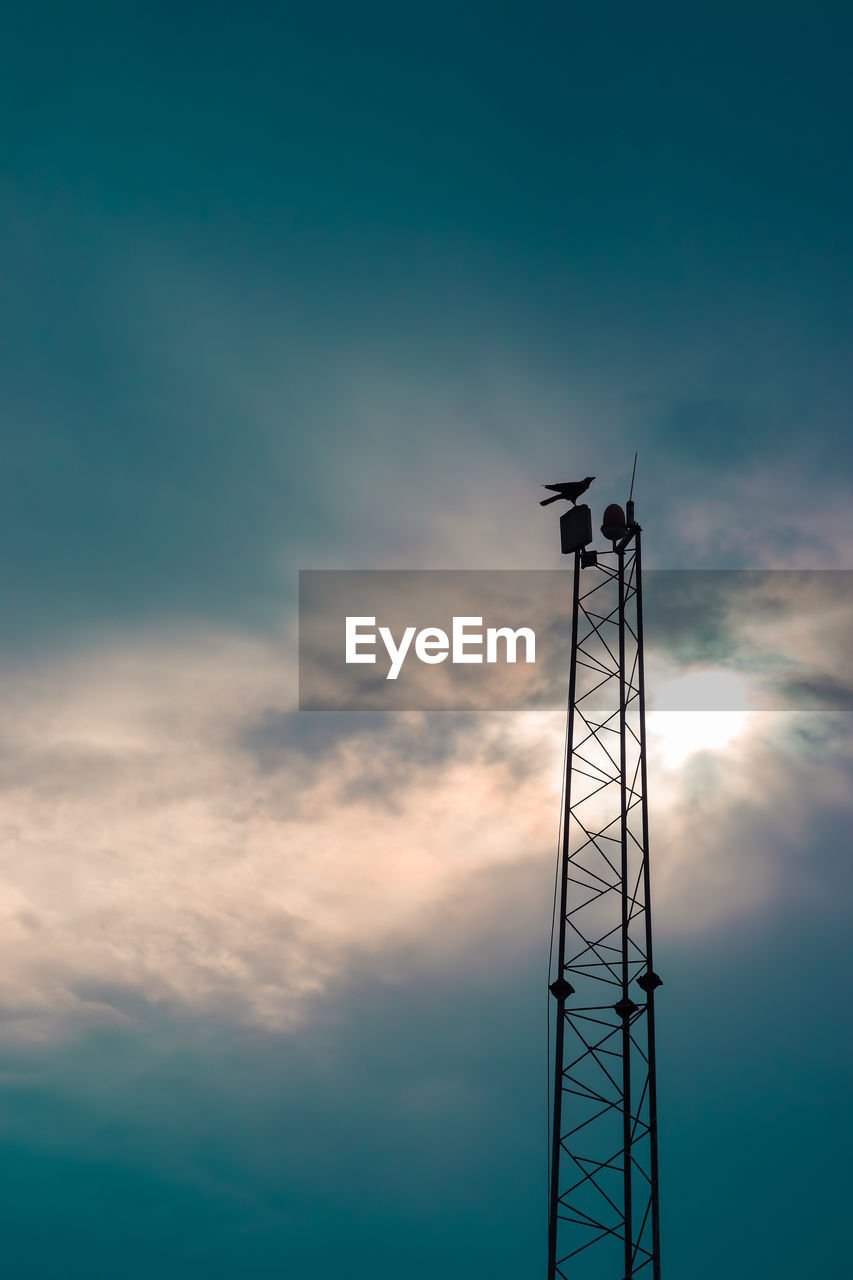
<point x="603" y="1184"/>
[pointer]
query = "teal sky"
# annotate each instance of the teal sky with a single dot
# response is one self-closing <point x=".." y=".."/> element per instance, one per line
<point x="340" y="285"/>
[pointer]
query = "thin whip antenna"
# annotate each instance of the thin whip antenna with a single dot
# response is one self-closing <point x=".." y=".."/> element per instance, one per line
<point x="633" y="473"/>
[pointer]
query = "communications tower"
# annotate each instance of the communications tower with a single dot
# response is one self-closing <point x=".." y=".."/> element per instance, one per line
<point x="603" y="1167"/>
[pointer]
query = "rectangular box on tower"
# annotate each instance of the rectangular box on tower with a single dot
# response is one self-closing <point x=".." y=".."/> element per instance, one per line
<point x="575" y="529"/>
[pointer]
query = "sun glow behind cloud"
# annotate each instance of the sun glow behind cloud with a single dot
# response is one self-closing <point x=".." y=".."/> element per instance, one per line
<point x="703" y="710"/>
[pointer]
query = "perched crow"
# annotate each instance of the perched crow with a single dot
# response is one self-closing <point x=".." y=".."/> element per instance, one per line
<point x="570" y="491"/>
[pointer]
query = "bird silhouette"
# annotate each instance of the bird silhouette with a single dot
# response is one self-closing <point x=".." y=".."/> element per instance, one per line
<point x="570" y="491"/>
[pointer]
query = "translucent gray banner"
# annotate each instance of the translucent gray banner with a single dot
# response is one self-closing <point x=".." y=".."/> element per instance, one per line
<point x="487" y="640"/>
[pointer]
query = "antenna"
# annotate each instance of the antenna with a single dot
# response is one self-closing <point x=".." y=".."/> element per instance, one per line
<point x="633" y="473"/>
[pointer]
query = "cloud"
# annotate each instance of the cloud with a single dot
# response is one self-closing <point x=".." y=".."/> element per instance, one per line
<point x="149" y="845"/>
<point x="173" y="834"/>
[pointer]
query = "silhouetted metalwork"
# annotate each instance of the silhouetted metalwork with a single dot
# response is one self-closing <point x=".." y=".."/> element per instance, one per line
<point x="575" y="529"/>
<point x="603" y="1183"/>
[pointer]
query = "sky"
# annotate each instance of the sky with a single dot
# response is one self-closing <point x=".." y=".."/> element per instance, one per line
<point x="340" y="286"/>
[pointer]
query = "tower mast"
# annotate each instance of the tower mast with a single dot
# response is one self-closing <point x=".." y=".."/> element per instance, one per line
<point x="603" y="1169"/>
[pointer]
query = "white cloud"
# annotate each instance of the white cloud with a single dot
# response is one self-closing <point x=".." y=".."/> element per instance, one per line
<point x="151" y="849"/>
<point x="143" y="849"/>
